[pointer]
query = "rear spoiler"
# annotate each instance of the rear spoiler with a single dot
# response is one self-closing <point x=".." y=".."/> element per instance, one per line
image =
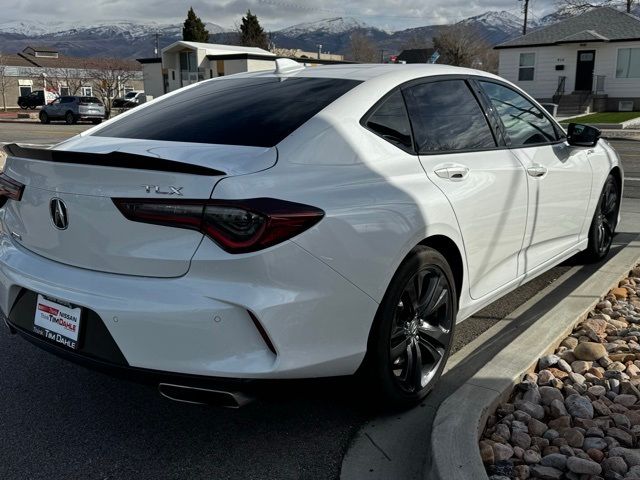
<point x="112" y="159"/>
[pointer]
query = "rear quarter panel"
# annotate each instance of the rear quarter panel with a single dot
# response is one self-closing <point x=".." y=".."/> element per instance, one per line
<point x="378" y="200"/>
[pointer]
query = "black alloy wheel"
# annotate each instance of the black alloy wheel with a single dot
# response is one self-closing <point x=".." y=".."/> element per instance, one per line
<point x="412" y="332"/>
<point x="422" y="329"/>
<point x="604" y="222"/>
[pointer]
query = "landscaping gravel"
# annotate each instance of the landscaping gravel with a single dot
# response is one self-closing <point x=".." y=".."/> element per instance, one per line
<point x="577" y="416"/>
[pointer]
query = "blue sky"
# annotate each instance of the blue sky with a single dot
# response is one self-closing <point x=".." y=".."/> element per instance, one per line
<point x="274" y="14"/>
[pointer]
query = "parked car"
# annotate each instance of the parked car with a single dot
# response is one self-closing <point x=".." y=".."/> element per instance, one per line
<point x="33" y="100"/>
<point x="302" y="223"/>
<point x="130" y="100"/>
<point x="72" y="109"/>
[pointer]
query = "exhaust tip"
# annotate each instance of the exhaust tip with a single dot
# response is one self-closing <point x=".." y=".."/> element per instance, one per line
<point x="203" y="396"/>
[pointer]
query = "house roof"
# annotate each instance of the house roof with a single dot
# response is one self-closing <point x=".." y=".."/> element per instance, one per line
<point x="603" y="24"/>
<point x="62" y="61"/>
<point x="416" y="55"/>
<point x="216" y="48"/>
<point x="11" y="60"/>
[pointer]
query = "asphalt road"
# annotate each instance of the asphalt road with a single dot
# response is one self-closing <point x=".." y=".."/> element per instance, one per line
<point x="59" y="420"/>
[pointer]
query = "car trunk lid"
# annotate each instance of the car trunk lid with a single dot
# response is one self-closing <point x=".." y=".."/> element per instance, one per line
<point x="84" y="175"/>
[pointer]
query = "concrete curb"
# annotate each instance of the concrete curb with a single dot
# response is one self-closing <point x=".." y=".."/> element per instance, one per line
<point x="461" y="418"/>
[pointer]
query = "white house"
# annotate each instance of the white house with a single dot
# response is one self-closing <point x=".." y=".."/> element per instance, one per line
<point x="183" y="63"/>
<point x="589" y="62"/>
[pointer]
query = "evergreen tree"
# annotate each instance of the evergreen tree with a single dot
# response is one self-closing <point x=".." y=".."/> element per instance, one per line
<point x="193" y="30"/>
<point x="252" y="34"/>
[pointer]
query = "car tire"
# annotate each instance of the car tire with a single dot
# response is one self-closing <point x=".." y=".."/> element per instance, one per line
<point x="96" y="121"/>
<point x="70" y="118"/>
<point x="23" y="107"/>
<point x="604" y="222"/>
<point x="409" y="345"/>
<point x="44" y="118"/>
<point x="32" y="107"/>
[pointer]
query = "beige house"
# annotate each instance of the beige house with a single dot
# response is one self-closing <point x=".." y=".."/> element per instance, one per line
<point x="44" y="68"/>
<point x="183" y="63"/>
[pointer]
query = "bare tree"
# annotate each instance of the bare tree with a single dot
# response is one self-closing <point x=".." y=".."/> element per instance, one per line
<point x="362" y="49"/>
<point x="72" y="78"/>
<point x="109" y="76"/>
<point x="4" y="81"/>
<point x="461" y="45"/>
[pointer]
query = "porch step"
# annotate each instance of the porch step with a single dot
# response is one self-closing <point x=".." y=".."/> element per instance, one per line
<point x="574" y="104"/>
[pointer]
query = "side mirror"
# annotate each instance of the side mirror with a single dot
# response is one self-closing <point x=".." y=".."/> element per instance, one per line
<point x="580" y="135"/>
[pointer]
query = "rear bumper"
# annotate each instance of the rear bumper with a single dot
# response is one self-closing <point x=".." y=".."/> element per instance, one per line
<point x="311" y="322"/>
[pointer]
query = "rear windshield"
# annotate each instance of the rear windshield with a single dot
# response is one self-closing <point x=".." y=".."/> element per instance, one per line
<point x="256" y="112"/>
<point x="90" y="100"/>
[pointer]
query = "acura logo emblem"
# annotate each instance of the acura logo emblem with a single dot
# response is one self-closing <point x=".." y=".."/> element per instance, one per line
<point x="58" y="211"/>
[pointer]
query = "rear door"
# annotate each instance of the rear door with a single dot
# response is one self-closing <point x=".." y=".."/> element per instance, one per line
<point x="485" y="184"/>
<point x="559" y="177"/>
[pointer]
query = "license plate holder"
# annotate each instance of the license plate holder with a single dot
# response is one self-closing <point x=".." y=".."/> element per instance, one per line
<point x="57" y="321"/>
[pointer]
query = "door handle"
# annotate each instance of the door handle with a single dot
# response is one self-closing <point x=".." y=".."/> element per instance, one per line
<point x="537" y="170"/>
<point x="456" y="173"/>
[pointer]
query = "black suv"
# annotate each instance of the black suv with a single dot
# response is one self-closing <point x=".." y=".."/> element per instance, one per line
<point x="33" y="100"/>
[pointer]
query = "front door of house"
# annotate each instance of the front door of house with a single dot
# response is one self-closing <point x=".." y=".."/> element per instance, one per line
<point x="584" y="70"/>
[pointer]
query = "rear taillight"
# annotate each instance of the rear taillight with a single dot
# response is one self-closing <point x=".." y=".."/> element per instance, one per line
<point x="9" y="189"/>
<point x="238" y="226"/>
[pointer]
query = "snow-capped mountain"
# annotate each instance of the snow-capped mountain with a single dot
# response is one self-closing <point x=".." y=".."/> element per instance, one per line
<point x="500" y="20"/>
<point x="331" y="26"/>
<point x="33" y="28"/>
<point x="129" y="39"/>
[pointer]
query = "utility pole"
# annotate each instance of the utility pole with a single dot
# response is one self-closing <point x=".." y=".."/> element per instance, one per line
<point x="526" y="14"/>
<point x="381" y="55"/>
<point x="629" y="2"/>
<point x="319" y="51"/>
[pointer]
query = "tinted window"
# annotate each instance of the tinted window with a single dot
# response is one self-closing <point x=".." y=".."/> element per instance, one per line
<point x="446" y="117"/>
<point x="524" y="122"/>
<point x="66" y="100"/>
<point x="234" y="111"/>
<point x="90" y="100"/>
<point x="391" y="122"/>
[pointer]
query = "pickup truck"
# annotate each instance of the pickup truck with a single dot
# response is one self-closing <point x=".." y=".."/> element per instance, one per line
<point x="33" y="100"/>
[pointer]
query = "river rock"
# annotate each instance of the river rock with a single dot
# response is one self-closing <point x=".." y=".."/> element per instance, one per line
<point x="579" y="406"/>
<point x="583" y="466"/>
<point x="589" y="351"/>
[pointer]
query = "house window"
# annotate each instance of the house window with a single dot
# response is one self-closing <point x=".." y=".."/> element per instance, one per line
<point x="526" y="67"/>
<point x="25" y="90"/>
<point x="64" y="91"/>
<point x="127" y="89"/>
<point x="628" y="65"/>
<point x="87" y="91"/>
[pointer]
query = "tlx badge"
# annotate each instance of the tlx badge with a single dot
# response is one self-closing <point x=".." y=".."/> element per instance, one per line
<point x="159" y="191"/>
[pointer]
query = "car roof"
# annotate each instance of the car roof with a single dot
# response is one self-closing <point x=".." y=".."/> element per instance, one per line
<point x="399" y="72"/>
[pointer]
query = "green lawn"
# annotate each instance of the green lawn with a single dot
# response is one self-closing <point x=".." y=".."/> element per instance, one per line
<point x="604" y="117"/>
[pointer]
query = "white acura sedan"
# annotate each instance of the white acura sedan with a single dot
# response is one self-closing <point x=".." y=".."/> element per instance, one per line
<point x="298" y="223"/>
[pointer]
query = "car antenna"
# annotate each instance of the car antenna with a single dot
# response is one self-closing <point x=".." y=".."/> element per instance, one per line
<point x="286" y="65"/>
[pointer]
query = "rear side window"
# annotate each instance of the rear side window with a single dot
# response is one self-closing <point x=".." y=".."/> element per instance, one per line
<point x="446" y="117"/>
<point x="90" y="100"/>
<point x="391" y="122"/>
<point x="257" y="112"/>
<point x="66" y="100"/>
<point x="524" y="122"/>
